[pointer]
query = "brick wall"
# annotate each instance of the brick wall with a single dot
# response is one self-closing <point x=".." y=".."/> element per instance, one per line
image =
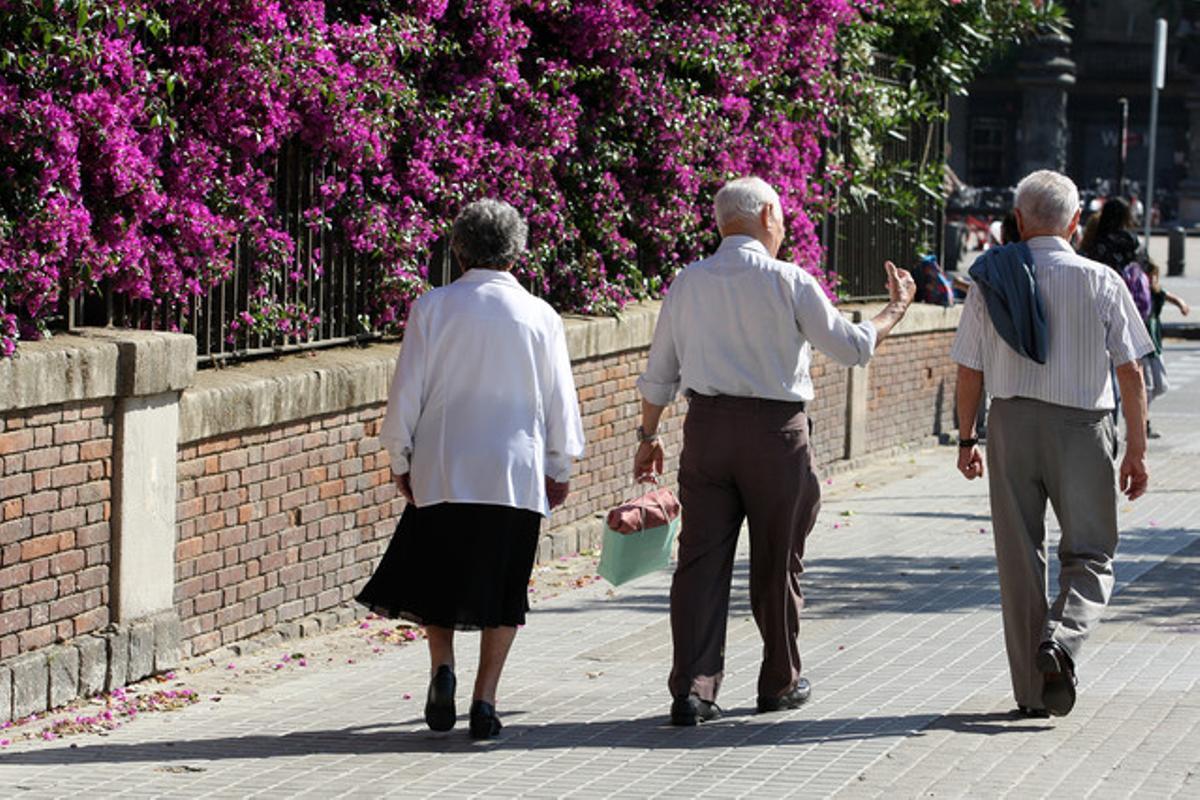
<point x="55" y="488"/>
<point x="828" y="410"/>
<point x="911" y="390"/>
<point x="279" y="523"/>
<point x="611" y="408"/>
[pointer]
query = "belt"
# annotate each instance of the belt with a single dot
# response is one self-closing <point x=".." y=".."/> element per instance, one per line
<point x="730" y="401"/>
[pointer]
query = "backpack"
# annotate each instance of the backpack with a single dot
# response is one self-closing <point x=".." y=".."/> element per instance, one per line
<point x="933" y="285"/>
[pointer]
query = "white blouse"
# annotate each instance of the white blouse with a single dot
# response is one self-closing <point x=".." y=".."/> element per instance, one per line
<point x="482" y="406"/>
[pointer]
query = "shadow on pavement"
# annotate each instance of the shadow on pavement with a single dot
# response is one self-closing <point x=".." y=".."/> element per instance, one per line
<point x="841" y="587"/>
<point x="739" y="728"/>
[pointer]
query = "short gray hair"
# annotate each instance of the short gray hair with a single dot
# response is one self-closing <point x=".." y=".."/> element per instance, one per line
<point x="489" y="234"/>
<point x="1047" y="200"/>
<point x="742" y="199"/>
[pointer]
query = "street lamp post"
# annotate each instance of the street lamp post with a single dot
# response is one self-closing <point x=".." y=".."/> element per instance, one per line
<point x="1158" y="79"/>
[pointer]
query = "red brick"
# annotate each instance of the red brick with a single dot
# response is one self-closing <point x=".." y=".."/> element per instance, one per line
<point x="37" y="637"/>
<point x="45" y="458"/>
<point x="91" y="620"/>
<point x="13" y="621"/>
<point x="92" y="534"/>
<point x="68" y="562"/>
<point x="15" y="485"/>
<point x="39" y="592"/>
<point x="40" y="547"/>
<point x="68" y="432"/>
<point x="16" y="441"/>
<point x="234" y="460"/>
<point x="67" y="607"/>
<point x="15" y="575"/>
<point x="95" y="450"/>
<point x="68" y="520"/>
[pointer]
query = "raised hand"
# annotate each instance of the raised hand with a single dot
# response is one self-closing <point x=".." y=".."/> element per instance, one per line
<point x="901" y="286"/>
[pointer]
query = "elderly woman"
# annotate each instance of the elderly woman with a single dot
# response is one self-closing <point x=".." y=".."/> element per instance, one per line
<point x="482" y="425"/>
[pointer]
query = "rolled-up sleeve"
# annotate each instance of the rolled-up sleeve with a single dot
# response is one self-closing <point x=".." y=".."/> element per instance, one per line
<point x="1125" y="334"/>
<point x="660" y="382"/>
<point x="404" y="398"/>
<point x="849" y="344"/>
<point x="564" y="428"/>
<point x="967" y="349"/>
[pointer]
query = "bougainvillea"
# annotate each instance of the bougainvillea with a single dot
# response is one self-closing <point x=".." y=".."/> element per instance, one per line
<point x="139" y="141"/>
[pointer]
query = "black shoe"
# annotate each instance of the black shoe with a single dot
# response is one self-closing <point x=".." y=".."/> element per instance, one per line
<point x="484" y="722"/>
<point x="688" y="709"/>
<point x="1058" y="673"/>
<point x="794" y="698"/>
<point x="1032" y="713"/>
<point x="439" y="703"/>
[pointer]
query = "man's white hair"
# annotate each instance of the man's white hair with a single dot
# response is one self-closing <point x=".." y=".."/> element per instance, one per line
<point x="742" y="199"/>
<point x="1047" y="200"/>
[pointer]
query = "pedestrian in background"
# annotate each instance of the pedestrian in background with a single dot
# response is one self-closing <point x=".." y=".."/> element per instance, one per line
<point x="482" y="424"/>
<point x="734" y="335"/>
<point x="1153" y="368"/>
<point x="1042" y="336"/>
<point x="1112" y="241"/>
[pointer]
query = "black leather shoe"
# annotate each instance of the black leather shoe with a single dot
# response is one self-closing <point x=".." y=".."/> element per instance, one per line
<point x="1032" y="713"/>
<point x="484" y="722"/>
<point x="439" y="703"/>
<point x="1058" y="674"/>
<point x="688" y="710"/>
<point x="794" y="698"/>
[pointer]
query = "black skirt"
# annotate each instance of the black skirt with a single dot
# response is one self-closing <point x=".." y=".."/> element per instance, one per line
<point x="457" y="565"/>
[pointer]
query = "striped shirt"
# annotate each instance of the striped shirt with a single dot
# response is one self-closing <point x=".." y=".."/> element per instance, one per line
<point x="1091" y="322"/>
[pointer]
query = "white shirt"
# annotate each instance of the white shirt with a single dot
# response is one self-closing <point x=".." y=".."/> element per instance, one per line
<point x="482" y="406"/>
<point x="1090" y="320"/>
<point x="740" y="322"/>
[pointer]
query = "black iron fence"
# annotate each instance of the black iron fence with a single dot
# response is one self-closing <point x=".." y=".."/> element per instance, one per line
<point x="861" y="235"/>
<point x="332" y="284"/>
<point x="335" y="285"/>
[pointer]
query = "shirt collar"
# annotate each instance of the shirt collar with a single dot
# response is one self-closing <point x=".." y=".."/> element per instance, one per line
<point x="1049" y="243"/>
<point x="740" y="241"/>
<point x="479" y="275"/>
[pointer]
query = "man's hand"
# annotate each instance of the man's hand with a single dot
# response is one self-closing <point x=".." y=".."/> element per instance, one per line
<point x="556" y="493"/>
<point x="970" y="462"/>
<point x="649" y="459"/>
<point x="901" y="286"/>
<point x="1134" y="477"/>
<point x="404" y="484"/>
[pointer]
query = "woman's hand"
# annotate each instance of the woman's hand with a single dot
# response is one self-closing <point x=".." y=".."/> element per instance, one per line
<point x="649" y="458"/>
<point x="404" y="484"/>
<point x="556" y="493"/>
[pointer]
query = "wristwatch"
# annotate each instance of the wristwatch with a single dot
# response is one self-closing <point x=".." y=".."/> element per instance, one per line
<point x="644" y="437"/>
<point x="965" y="443"/>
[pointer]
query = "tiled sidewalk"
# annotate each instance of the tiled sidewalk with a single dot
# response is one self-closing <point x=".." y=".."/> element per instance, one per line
<point x="901" y="640"/>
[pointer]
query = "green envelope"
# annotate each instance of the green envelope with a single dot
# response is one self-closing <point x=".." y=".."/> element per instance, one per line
<point x="626" y="556"/>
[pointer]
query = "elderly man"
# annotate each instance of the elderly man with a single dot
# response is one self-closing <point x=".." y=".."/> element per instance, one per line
<point x="734" y="335"/>
<point x="1050" y="432"/>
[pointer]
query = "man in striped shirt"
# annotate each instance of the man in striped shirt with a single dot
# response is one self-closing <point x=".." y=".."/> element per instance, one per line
<point x="1051" y="435"/>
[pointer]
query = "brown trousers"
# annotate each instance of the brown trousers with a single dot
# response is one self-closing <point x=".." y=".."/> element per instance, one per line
<point x="742" y="458"/>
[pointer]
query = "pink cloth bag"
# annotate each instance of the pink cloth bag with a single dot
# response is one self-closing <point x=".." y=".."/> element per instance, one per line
<point x="655" y="508"/>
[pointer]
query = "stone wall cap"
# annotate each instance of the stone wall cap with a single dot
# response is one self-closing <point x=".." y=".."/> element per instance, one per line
<point x="920" y="317"/>
<point x="149" y="362"/>
<point x="62" y="369"/>
<point x="261" y="394"/>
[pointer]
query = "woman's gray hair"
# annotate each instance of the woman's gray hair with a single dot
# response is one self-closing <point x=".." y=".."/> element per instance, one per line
<point x="1047" y="200"/>
<point x="742" y="199"/>
<point x="489" y="234"/>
